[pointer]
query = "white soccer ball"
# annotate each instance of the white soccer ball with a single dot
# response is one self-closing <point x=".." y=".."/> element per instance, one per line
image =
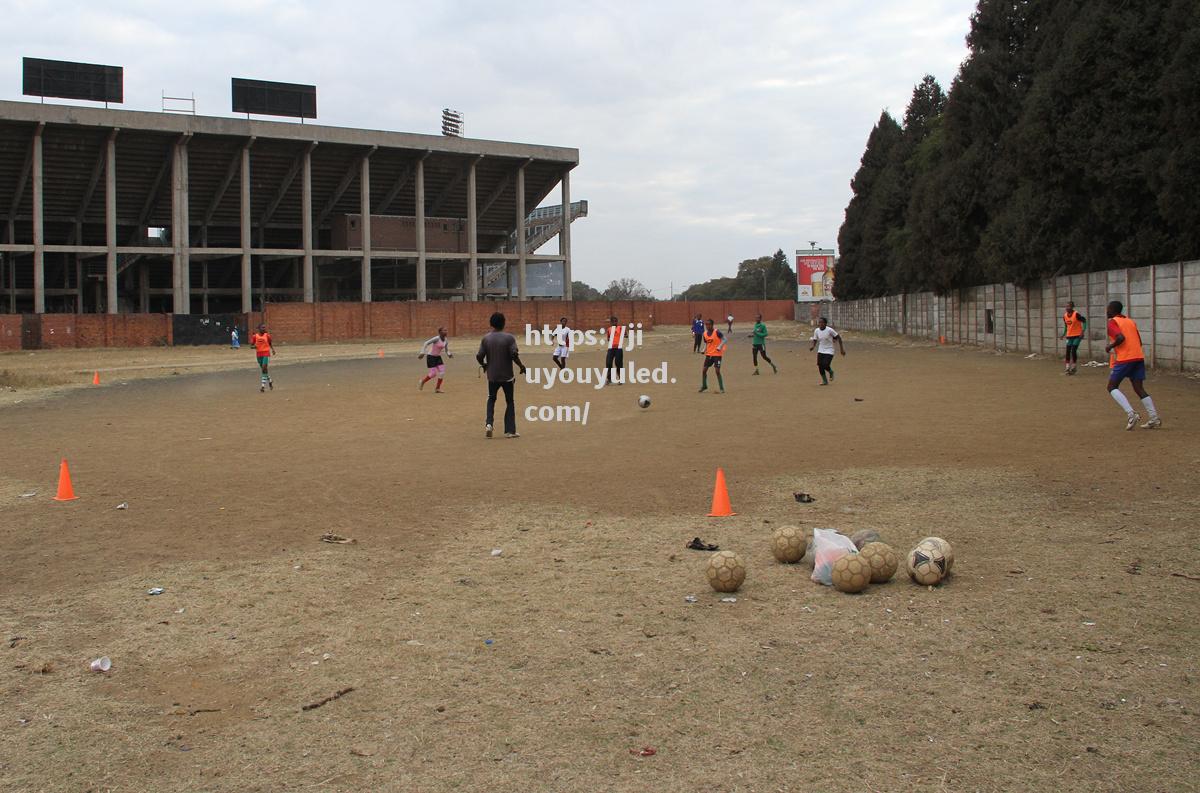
<point x="644" y="401"/>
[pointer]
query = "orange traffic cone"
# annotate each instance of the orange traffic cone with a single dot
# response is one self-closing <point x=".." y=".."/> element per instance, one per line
<point x="65" y="491"/>
<point x="95" y="378"/>
<point x="720" y="502"/>
<point x="380" y="352"/>
<point x="941" y="339"/>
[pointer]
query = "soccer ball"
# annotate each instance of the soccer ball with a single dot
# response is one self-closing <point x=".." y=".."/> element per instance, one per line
<point x="927" y="563"/>
<point x="726" y="571"/>
<point x="864" y="536"/>
<point x="644" y="401"/>
<point x="788" y="544"/>
<point x="850" y="573"/>
<point x="947" y="551"/>
<point x="881" y="559"/>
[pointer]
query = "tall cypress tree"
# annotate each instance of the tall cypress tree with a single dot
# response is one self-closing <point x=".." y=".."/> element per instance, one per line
<point x="857" y="266"/>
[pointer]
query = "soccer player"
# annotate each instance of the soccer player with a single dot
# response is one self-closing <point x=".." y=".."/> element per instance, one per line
<point x="497" y="354"/>
<point x="1126" y="359"/>
<point x="437" y="368"/>
<point x="697" y="334"/>
<point x="714" y="349"/>
<point x="760" y="344"/>
<point x="1074" y="326"/>
<point x="234" y="342"/>
<point x="822" y="340"/>
<point x="562" y="343"/>
<point x="264" y="348"/>
<point x="729" y="321"/>
<point x="614" y="359"/>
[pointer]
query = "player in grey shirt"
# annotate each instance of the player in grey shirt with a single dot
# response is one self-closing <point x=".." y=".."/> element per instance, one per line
<point x="497" y="354"/>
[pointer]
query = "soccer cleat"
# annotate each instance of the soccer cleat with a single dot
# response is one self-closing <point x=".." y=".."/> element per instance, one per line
<point x="421" y="385"/>
<point x="512" y="434"/>
<point x="487" y="430"/>
<point x="702" y="390"/>
<point x="831" y="375"/>
<point x="1154" y="423"/>
<point x="1131" y="421"/>
<point x="271" y="384"/>
<point x="774" y="369"/>
<point x="262" y="389"/>
<point x="756" y="373"/>
<point x="438" y="391"/>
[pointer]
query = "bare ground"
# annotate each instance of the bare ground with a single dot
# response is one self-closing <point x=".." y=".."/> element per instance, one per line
<point x="1061" y="655"/>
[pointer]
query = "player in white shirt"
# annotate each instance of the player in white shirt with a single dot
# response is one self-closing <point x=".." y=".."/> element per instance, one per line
<point x="562" y="343"/>
<point x="432" y="351"/>
<point x="823" y="338"/>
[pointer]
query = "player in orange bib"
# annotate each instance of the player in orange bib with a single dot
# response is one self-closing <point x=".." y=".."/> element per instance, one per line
<point x="1074" y="326"/>
<point x="264" y="348"/>
<point x="714" y="349"/>
<point x="1127" y="360"/>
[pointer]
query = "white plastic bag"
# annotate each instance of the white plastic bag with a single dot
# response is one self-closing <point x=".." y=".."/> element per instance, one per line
<point x="828" y="547"/>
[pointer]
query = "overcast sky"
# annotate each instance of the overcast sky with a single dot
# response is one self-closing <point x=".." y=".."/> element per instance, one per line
<point x="708" y="132"/>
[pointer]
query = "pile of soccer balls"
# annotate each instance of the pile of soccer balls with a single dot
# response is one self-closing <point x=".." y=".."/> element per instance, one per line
<point x="875" y="562"/>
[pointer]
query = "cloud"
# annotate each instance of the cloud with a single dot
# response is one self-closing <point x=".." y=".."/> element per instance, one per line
<point x="708" y="132"/>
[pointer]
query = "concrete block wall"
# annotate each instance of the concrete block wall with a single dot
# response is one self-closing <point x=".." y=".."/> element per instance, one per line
<point x="1163" y="299"/>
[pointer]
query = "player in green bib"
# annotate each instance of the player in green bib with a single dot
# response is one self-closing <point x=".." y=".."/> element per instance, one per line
<point x="759" y="337"/>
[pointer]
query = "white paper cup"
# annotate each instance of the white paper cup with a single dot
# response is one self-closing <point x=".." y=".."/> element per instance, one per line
<point x="102" y="664"/>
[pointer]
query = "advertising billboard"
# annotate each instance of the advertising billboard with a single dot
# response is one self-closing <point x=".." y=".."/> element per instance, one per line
<point x="814" y="275"/>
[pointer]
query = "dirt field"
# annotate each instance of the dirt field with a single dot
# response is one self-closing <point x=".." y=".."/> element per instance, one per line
<point x="1061" y="655"/>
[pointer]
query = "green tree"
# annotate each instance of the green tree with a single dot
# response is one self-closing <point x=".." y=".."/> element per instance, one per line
<point x="627" y="289"/>
<point x="858" y="265"/>
<point x="581" y="291"/>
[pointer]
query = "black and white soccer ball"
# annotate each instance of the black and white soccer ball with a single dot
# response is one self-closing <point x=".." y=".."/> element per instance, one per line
<point x="644" y="401"/>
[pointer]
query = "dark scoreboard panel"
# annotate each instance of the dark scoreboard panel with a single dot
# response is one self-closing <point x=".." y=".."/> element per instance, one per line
<point x="264" y="98"/>
<point x="69" y="80"/>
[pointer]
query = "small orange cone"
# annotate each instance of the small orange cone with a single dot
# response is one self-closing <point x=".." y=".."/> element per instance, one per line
<point x="941" y="339"/>
<point x="720" y="502"/>
<point x="65" y="491"/>
<point x="95" y="378"/>
<point x="380" y="352"/>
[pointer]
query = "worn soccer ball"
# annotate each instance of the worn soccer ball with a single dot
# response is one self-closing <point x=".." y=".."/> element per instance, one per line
<point x="882" y="560"/>
<point x="644" y="401"/>
<point x="788" y="544"/>
<point x="947" y="551"/>
<point x="927" y="563"/>
<point x="864" y="536"/>
<point x="726" y="571"/>
<point x="850" y="573"/>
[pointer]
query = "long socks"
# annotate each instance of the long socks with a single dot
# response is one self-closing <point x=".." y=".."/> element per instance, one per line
<point x="1122" y="400"/>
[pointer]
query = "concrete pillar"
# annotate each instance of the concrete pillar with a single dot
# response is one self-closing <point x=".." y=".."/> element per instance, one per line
<point x="79" y="284"/>
<point x="39" y="231"/>
<point x="422" y="294"/>
<point x="144" y="287"/>
<point x="307" y="225"/>
<point x="185" y="231"/>
<point x="110" y="223"/>
<point x="472" y="236"/>
<point x="180" y="269"/>
<point x="204" y="287"/>
<point x="247" y="296"/>
<point x="364" y="211"/>
<point x="564" y="236"/>
<point x="522" y="294"/>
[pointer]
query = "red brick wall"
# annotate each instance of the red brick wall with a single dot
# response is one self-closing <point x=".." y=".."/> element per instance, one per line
<point x="10" y="332"/>
<point x="309" y="322"/>
<point x="58" y="330"/>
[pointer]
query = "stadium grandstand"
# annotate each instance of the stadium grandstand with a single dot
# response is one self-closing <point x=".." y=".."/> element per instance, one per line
<point x="118" y="211"/>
